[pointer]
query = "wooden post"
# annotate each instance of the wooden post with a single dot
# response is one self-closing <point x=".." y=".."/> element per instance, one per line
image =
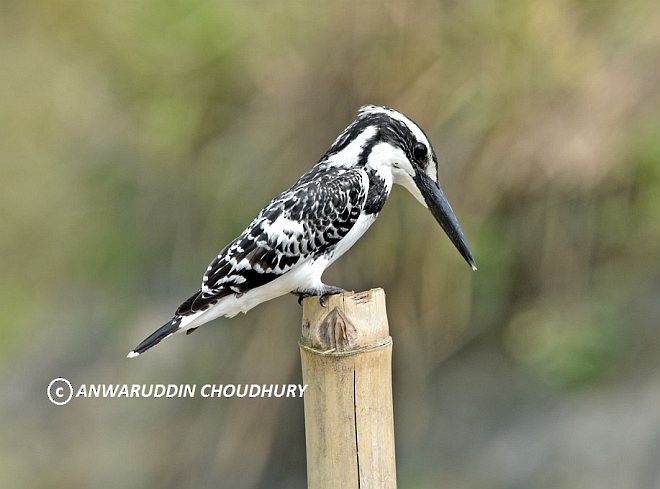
<point x="346" y="356"/>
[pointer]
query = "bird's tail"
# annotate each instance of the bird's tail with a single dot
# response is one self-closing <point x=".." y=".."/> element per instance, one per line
<point x="167" y="329"/>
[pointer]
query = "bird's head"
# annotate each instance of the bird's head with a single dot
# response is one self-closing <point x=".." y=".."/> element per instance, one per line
<point x="389" y="142"/>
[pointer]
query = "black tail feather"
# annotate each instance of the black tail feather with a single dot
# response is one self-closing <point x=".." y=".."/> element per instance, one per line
<point x="154" y="338"/>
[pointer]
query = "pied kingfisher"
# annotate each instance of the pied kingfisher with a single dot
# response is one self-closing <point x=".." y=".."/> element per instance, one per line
<point x="291" y="242"/>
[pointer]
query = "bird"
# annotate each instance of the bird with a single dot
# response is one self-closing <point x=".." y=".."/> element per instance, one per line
<point x="301" y="232"/>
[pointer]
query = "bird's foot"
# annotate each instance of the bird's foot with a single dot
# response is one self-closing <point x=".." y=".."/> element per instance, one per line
<point x="323" y="293"/>
<point x="327" y="292"/>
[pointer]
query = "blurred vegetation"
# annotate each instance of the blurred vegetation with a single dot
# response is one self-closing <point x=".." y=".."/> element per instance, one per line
<point x="137" y="138"/>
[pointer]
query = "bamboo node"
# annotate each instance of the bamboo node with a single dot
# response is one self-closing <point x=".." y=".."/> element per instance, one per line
<point x="332" y="352"/>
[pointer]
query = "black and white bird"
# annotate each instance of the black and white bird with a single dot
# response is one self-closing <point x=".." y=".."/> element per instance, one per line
<point x="302" y="231"/>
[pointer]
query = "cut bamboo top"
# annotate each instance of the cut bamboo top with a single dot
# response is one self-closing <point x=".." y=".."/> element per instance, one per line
<point x="330" y="328"/>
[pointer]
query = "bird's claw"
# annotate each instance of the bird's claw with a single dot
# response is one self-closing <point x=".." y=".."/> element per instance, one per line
<point x="302" y="296"/>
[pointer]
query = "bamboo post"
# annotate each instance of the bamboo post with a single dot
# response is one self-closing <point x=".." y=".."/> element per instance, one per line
<point x="346" y="354"/>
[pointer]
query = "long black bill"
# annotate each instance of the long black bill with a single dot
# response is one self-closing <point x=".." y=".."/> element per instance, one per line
<point x="439" y="206"/>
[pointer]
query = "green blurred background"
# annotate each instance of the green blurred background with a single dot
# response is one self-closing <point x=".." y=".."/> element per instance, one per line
<point x="138" y="137"/>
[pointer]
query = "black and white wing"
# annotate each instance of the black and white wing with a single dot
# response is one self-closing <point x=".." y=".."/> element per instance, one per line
<point x="306" y="221"/>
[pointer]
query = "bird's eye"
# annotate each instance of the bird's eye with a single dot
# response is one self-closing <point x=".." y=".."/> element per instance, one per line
<point x="419" y="151"/>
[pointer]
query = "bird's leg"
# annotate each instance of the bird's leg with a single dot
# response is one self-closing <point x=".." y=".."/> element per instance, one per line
<point x="329" y="290"/>
<point x="322" y="292"/>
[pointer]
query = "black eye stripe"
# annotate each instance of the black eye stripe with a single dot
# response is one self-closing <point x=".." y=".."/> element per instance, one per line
<point x="420" y="150"/>
<point x="389" y="130"/>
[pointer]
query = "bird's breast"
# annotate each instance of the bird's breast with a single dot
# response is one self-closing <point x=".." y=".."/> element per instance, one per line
<point x="363" y="223"/>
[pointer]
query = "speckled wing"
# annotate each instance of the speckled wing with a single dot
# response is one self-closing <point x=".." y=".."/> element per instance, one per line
<point x="303" y="222"/>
